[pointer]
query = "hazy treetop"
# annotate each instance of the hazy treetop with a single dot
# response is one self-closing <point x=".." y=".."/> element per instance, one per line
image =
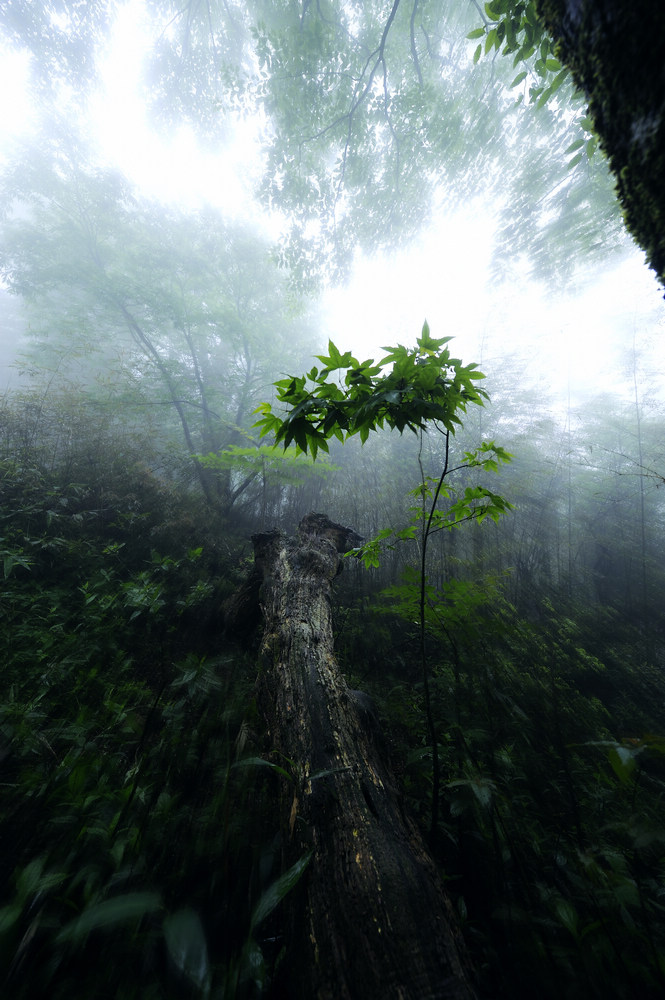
<point x="371" y="116"/>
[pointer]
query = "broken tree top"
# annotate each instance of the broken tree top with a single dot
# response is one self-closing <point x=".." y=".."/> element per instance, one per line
<point x="315" y="526"/>
<point x="372" y="919"/>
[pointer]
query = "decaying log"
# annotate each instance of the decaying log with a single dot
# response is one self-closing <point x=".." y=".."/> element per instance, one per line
<point x="375" y="921"/>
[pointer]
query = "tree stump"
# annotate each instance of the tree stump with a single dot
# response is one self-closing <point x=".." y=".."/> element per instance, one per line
<point x="375" y="922"/>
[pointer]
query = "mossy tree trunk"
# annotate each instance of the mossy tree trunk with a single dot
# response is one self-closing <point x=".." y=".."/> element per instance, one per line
<point x="615" y="50"/>
<point x="373" y="921"/>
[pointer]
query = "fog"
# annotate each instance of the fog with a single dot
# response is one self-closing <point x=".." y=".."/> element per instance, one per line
<point x="212" y="216"/>
<point x="189" y="216"/>
<point x="193" y="210"/>
<point x="575" y="331"/>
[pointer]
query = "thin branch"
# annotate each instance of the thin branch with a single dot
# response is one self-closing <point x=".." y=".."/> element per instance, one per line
<point x="427" y="530"/>
<point x="484" y="19"/>
<point x="211" y="29"/>
<point x="348" y="116"/>
<point x="414" y="51"/>
<point x="305" y="7"/>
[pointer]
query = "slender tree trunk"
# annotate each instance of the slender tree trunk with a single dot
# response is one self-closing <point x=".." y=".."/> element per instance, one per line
<point x="640" y="459"/>
<point x="373" y="920"/>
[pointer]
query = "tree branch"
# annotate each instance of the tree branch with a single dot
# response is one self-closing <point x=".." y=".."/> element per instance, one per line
<point x="414" y="51"/>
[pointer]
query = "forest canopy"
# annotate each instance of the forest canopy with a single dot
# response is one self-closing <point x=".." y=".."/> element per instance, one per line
<point x="364" y="122"/>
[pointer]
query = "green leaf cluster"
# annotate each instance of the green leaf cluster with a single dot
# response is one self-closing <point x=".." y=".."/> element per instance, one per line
<point x="273" y="463"/>
<point x="408" y="388"/>
<point x="443" y="506"/>
<point x="514" y="28"/>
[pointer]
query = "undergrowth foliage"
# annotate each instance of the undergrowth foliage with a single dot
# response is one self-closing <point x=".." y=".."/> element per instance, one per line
<point x="551" y="747"/>
<point x="140" y="855"/>
<point x="137" y="859"/>
<point x="540" y="780"/>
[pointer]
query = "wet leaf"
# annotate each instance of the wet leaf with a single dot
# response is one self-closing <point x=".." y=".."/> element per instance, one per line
<point x="186" y="943"/>
<point x="280" y="888"/>
<point x="118" y="910"/>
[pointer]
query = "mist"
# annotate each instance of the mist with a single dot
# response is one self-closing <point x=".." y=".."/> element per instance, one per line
<point x="369" y="261"/>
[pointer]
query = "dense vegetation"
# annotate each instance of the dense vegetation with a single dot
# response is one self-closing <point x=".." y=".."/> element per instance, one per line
<point x="516" y="662"/>
<point x="133" y="840"/>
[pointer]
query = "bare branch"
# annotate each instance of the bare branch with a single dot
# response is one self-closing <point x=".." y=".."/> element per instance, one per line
<point x="362" y="92"/>
<point x="414" y="51"/>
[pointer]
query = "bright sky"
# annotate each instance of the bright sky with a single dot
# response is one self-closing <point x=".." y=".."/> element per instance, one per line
<point x="581" y="338"/>
<point x="443" y="278"/>
<point x="176" y="170"/>
<point x="15" y="108"/>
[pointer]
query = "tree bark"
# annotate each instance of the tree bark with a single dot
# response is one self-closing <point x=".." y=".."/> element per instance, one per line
<point x="375" y="922"/>
<point x="614" y="49"/>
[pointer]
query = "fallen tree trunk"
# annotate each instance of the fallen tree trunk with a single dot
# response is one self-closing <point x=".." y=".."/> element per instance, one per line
<point x="375" y="921"/>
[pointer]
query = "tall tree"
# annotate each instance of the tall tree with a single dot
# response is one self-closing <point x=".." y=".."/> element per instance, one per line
<point x="613" y="49"/>
<point x="188" y="313"/>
